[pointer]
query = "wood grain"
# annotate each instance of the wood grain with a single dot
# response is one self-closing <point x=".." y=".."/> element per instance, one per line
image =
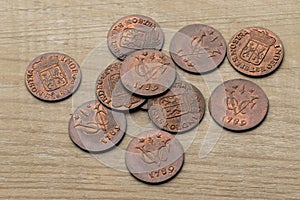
<point x="38" y="160"/>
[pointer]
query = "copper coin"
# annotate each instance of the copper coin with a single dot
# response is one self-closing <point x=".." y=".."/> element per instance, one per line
<point x="148" y="72"/>
<point x="255" y="51"/>
<point x="95" y="128"/>
<point x="238" y="105"/>
<point x="154" y="156"/>
<point x="52" y="76"/>
<point x="179" y="110"/>
<point x="198" y="48"/>
<point x="134" y="32"/>
<point x="111" y="92"/>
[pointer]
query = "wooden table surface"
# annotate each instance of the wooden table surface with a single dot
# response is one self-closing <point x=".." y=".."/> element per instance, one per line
<point x="38" y="160"/>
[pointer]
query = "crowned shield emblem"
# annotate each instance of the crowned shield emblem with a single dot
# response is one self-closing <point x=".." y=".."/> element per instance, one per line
<point x="52" y="75"/>
<point x="139" y="39"/>
<point x="133" y="39"/>
<point x="257" y="47"/>
<point x="179" y="105"/>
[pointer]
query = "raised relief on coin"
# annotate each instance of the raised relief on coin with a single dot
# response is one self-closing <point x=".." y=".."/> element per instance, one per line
<point x="147" y="72"/>
<point x="154" y="149"/>
<point x="179" y="110"/>
<point x="238" y="105"/>
<point x="154" y="156"/>
<point x="95" y="128"/>
<point x="198" y="48"/>
<point x="111" y="92"/>
<point x="52" y="76"/>
<point x="255" y="51"/>
<point x="134" y="32"/>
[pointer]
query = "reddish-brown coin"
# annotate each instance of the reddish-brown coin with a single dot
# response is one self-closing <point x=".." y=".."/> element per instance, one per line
<point x="52" y="76"/>
<point x="111" y="92"/>
<point x="148" y="72"/>
<point x="95" y="128"/>
<point x="179" y="110"/>
<point x="134" y="32"/>
<point x="255" y="51"/>
<point x="238" y="105"/>
<point x="198" y="48"/>
<point x="154" y="156"/>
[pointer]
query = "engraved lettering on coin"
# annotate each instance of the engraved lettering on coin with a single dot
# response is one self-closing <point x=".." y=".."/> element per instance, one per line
<point x="134" y="32"/>
<point x="52" y="76"/>
<point x="154" y="156"/>
<point x="255" y="51"/>
<point x="198" y="48"/>
<point x="238" y="105"/>
<point x="95" y="128"/>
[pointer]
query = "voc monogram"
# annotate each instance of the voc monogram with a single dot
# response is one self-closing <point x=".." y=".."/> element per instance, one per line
<point x="91" y="122"/>
<point x="239" y="99"/>
<point x="146" y="69"/>
<point x="204" y="43"/>
<point x="154" y="149"/>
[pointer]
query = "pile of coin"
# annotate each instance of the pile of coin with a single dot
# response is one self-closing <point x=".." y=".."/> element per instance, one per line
<point x="146" y="78"/>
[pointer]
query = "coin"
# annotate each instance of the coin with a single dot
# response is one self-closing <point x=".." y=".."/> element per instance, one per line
<point x="198" y="48"/>
<point x="255" y="51"/>
<point x="95" y="128"/>
<point x="52" y="76"/>
<point x="154" y="156"/>
<point x="148" y="72"/>
<point x="134" y="32"/>
<point x="111" y="92"/>
<point x="238" y="105"/>
<point x="179" y="110"/>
